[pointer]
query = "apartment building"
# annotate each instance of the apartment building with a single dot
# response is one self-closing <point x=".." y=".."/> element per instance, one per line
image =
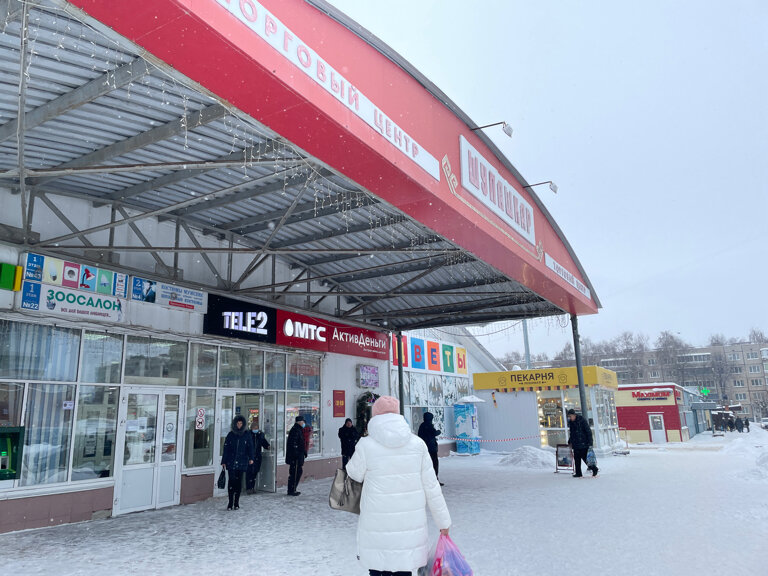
<point x="732" y="373"/>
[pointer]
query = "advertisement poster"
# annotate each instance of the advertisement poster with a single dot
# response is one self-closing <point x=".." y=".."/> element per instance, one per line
<point x="53" y="269"/>
<point x="88" y="278"/>
<point x="104" y="282"/>
<point x="70" y="278"/>
<point x="151" y="292"/>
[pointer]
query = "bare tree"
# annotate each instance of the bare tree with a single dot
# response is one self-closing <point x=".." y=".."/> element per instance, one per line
<point x="717" y="340"/>
<point x="566" y="353"/>
<point x="511" y="358"/>
<point x="757" y="336"/>
<point x="668" y="348"/>
<point x="720" y="371"/>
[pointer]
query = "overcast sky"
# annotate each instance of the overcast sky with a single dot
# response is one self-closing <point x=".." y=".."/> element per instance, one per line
<point x="652" y="118"/>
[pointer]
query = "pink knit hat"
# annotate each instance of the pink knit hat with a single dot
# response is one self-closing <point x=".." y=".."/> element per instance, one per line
<point x="385" y="405"/>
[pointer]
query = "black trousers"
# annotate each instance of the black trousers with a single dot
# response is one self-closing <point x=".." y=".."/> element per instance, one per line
<point x="344" y="459"/>
<point x="580" y="454"/>
<point x="435" y="463"/>
<point x="234" y="486"/>
<point x="387" y="573"/>
<point x="251" y="474"/>
<point x="294" y="475"/>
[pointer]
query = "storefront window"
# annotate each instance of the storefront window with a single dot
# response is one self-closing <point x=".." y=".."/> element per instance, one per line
<point x="140" y="429"/>
<point x="435" y="390"/>
<point x="281" y="423"/>
<point x="48" y="431"/>
<point x="275" y="368"/>
<point x="95" y="432"/>
<point x="450" y="390"/>
<point x="419" y="389"/>
<point x="38" y="352"/>
<point x="202" y="365"/>
<point x="439" y="419"/>
<point x="550" y="409"/>
<point x="241" y="368"/>
<point x="199" y="428"/>
<point x="102" y="358"/>
<point x="303" y="372"/>
<point x="308" y="405"/>
<point x="463" y="387"/>
<point x="11" y="397"/>
<point x="151" y="361"/>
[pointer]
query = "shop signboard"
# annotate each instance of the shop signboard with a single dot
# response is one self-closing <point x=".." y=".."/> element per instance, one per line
<point x="237" y="319"/>
<point x="304" y="59"/>
<point x="431" y="355"/>
<point x="339" y="404"/>
<point x="65" y="302"/>
<point x="299" y="331"/>
<point x="170" y="295"/>
<point x="75" y="276"/>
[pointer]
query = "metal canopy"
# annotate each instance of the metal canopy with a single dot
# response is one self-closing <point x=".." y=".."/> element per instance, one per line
<point x="106" y="124"/>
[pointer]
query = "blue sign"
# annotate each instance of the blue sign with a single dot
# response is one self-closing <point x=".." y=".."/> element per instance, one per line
<point x="34" y="269"/>
<point x="30" y="295"/>
<point x="418" y="353"/>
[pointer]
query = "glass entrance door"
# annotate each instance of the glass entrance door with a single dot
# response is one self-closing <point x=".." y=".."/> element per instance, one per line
<point x="225" y="412"/>
<point x="259" y="411"/>
<point x="265" y="481"/>
<point x="658" y="432"/>
<point x="149" y="475"/>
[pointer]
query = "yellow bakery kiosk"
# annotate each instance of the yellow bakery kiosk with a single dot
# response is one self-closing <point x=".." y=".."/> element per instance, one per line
<point x="524" y="404"/>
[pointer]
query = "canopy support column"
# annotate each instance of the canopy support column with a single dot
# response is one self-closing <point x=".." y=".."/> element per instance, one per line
<point x="579" y="371"/>
<point x="401" y="386"/>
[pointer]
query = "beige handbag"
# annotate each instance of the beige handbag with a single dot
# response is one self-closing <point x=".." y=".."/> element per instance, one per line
<point x="345" y="493"/>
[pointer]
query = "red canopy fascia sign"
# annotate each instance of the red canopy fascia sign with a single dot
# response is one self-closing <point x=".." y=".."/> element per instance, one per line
<point x="324" y="88"/>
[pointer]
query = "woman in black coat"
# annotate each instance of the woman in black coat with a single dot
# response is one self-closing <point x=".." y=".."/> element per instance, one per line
<point x="295" y="452"/>
<point x="237" y="455"/>
<point x="429" y="434"/>
<point x="259" y="442"/>
<point x="349" y="436"/>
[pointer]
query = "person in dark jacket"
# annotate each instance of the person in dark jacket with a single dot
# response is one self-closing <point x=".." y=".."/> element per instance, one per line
<point x="739" y="424"/>
<point x="580" y="440"/>
<point x="429" y="434"/>
<point x="349" y="436"/>
<point x="295" y="452"/>
<point x="259" y="442"/>
<point x="746" y="424"/>
<point x="238" y="453"/>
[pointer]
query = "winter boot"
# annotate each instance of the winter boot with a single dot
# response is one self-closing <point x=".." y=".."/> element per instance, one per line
<point x="594" y="471"/>
<point x="237" y="501"/>
<point x="229" y="504"/>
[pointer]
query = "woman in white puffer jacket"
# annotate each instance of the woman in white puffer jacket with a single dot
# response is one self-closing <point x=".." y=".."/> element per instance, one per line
<point x="398" y="480"/>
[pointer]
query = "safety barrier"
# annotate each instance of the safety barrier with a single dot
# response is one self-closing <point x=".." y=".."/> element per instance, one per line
<point x="537" y="436"/>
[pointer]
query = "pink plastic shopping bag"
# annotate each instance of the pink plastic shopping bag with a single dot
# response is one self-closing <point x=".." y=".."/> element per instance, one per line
<point x="448" y="560"/>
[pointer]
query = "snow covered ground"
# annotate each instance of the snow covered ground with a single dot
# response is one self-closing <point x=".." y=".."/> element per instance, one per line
<point x="684" y="509"/>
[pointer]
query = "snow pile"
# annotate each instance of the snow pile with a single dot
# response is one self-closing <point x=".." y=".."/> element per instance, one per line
<point x="760" y="471"/>
<point x="529" y="457"/>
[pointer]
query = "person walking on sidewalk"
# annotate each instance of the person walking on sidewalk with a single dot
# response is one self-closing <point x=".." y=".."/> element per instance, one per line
<point x="580" y="440"/>
<point x="295" y="452"/>
<point x="429" y="434"/>
<point x="349" y="436"/>
<point x="398" y="481"/>
<point x="236" y="456"/>
<point x="739" y="424"/>
<point x="746" y="424"/>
